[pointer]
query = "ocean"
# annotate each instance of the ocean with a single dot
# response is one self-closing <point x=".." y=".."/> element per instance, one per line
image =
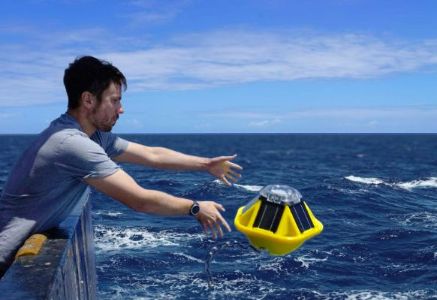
<point x="376" y="195"/>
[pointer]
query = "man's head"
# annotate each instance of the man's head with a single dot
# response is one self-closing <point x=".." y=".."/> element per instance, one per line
<point x="94" y="92"/>
<point x="89" y="74"/>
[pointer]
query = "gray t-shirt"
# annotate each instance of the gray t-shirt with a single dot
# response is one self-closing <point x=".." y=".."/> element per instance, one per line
<point x="47" y="181"/>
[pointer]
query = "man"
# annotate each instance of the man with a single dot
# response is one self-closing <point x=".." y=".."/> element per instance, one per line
<point x="78" y="149"/>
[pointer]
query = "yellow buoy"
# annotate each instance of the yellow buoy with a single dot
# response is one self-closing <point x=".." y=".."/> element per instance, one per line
<point x="277" y="220"/>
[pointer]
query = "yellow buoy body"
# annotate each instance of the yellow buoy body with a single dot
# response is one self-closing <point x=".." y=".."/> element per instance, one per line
<point x="278" y="220"/>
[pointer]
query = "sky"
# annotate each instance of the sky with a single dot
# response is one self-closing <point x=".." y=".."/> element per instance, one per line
<point x="222" y="66"/>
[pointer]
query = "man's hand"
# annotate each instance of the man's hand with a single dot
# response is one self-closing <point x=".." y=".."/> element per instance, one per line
<point x="223" y="169"/>
<point x="210" y="218"/>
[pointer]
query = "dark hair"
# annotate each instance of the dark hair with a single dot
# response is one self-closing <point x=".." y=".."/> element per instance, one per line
<point x="90" y="74"/>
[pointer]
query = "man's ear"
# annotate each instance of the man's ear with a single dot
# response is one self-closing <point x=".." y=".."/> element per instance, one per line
<point x="87" y="100"/>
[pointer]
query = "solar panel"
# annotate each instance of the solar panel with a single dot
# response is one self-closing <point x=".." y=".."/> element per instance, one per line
<point x="301" y="216"/>
<point x="269" y="216"/>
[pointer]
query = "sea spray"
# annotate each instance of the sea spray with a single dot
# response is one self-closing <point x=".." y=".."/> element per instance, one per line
<point x="430" y="182"/>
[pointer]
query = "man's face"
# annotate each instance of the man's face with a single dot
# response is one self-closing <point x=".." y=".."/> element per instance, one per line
<point x="105" y="114"/>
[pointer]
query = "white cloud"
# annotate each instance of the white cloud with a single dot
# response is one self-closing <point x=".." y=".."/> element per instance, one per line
<point x="154" y="11"/>
<point x="32" y="71"/>
<point x="264" y="123"/>
<point x="339" y="119"/>
<point x="214" y="59"/>
<point x="373" y="115"/>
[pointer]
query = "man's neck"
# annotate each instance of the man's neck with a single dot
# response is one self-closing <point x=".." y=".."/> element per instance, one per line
<point x="84" y="123"/>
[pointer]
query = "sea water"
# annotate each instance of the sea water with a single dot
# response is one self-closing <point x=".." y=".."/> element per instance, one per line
<point x="375" y="194"/>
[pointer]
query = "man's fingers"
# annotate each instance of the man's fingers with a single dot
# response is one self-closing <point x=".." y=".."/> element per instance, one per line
<point x="235" y="166"/>
<point x="231" y="177"/>
<point x="223" y="178"/>
<point x="234" y="173"/>
<point x="227" y="160"/>
<point x="224" y="223"/>
<point x="228" y="157"/>
<point x="220" y="219"/>
<point x="211" y="228"/>
<point x="223" y="159"/>
<point x="210" y="225"/>
<point x="212" y="220"/>
<point x="204" y="226"/>
<point x="219" y="229"/>
<point x="219" y="206"/>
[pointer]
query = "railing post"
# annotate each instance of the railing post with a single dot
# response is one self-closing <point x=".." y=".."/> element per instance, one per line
<point x="65" y="266"/>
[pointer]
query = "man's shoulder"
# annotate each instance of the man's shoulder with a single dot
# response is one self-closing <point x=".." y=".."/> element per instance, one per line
<point x="74" y="138"/>
<point x="67" y="135"/>
<point x="65" y="142"/>
<point x="62" y="128"/>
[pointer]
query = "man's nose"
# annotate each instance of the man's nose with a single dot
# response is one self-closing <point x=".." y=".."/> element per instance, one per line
<point x="121" y="110"/>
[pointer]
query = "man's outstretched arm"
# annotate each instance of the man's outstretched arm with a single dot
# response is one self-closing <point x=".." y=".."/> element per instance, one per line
<point x="122" y="187"/>
<point x="163" y="158"/>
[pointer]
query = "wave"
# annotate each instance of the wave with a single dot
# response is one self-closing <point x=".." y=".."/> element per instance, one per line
<point x="424" y="219"/>
<point x="428" y="183"/>
<point x="108" y="213"/>
<point x="377" y="295"/>
<point x="241" y="286"/>
<point x="370" y="180"/>
<point x="249" y="188"/>
<point x="192" y="286"/>
<point x="113" y="239"/>
<point x="409" y="185"/>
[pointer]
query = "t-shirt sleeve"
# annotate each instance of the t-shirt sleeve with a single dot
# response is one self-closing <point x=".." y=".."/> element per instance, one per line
<point x="81" y="157"/>
<point x="111" y="143"/>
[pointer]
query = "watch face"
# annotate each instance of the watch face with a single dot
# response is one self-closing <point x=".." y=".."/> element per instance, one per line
<point x="195" y="209"/>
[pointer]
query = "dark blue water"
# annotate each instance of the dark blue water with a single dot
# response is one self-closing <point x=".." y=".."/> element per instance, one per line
<point x="375" y="194"/>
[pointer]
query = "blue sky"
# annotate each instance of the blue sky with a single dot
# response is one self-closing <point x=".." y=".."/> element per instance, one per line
<point x="229" y="66"/>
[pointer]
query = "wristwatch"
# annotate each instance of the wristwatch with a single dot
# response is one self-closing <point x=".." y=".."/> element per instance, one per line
<point x="195" y="208"/>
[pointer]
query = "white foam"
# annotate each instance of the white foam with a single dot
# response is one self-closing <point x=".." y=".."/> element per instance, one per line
<point x="241" y="287"/>
<point x="427" y="183"/>
<point x="114" y="239"/>
<point x="189" y="257"/>
<point x="425" y="218"/>
<point x="108" y="213"/>
<point x="275" y="265"/>
<point x="307" y="260"/>
<point x="364" y="180"/>
<point x="408" y="185"/>
<point x="249" y="188"/>
<point x="138" y="287"/>
<point x="379" y="295"/>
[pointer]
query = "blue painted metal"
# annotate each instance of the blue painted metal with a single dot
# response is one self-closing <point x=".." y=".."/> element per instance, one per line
<point x="65" y="267"/>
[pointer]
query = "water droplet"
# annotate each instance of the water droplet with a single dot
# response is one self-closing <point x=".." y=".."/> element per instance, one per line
<point x="216" y="249"/>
